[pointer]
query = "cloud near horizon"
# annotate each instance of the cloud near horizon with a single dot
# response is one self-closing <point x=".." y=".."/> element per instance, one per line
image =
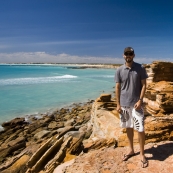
<point x="43" y="57"/>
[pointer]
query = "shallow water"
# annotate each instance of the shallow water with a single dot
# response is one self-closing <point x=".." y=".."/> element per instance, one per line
<point x="30" y="89"/>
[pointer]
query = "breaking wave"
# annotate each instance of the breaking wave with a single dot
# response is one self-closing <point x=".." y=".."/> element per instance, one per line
<point x="36" y="80"/>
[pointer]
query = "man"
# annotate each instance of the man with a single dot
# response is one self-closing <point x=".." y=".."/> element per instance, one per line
<point x="130" y="89"/>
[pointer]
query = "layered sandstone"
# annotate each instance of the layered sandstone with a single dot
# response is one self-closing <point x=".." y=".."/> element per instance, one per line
<point x="105" y="125"/>
<point x="160" y="71"/>
<point x="159" y="93"/>
<point x="42" y="144"/>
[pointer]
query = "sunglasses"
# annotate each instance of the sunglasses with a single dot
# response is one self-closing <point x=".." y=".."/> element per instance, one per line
<point x="129" y="53"/>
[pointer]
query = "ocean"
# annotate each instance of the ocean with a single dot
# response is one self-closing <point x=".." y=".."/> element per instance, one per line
<point x="35" y="89"/>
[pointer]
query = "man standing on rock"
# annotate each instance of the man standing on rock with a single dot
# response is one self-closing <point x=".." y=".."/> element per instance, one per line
<point x="130" y="89"/>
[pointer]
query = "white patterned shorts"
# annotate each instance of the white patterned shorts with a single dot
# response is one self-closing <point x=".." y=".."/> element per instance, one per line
<point x="132" y="118"/>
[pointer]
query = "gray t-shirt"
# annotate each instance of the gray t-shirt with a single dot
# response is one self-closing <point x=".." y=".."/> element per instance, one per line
<point x="130" y="80"/>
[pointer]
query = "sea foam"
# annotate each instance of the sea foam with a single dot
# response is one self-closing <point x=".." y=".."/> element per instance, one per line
<point x="36" y="80"/>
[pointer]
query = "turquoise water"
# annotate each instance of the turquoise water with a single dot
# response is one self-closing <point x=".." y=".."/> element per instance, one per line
<point x="32" y="89"/>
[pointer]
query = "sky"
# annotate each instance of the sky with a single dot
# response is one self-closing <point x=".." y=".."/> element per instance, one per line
<point x="85" y="31"/>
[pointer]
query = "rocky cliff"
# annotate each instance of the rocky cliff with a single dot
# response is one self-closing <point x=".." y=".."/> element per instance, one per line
<point x="159" y="71"/>
<point x="159" y="93"/>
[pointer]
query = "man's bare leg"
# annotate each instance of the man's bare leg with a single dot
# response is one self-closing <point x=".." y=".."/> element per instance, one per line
<point x="130" y="135"/>
<point x="141" y="137"/>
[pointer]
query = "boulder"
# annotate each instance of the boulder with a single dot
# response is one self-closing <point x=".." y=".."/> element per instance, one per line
<point x="104" y="98"/>
<point x="69" y="122"/>
<point x="105" y="123"/>
<point x="63" y="110"/>
<point x="64" y="130"/>
<point x="76" y="134"/>
<point x="14" y="122"/>
<point x="52" y="125"/>
<point x="4" y="152"/>
<point x="16" y="141"/>
<point x="41" y="134"/>
<point x="19" y="165"/>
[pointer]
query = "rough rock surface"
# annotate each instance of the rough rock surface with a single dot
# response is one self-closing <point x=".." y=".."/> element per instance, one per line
<point x="43" y="143"/>
<point x="160" y="71"/>
<point x="159" y="93"/>
<point x="159" y="98"/>
<point x="105" y="127"/>
<point x="109" y="160"/>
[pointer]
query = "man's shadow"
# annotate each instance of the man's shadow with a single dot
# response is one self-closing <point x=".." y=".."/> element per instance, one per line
<point x="160" y="152"/>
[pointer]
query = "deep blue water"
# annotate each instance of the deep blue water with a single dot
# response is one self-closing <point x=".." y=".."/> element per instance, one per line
<point x="31" y="89"/>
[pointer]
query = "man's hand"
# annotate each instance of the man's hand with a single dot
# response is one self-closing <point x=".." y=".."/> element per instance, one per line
<point x="137" y="106"/>
<point x="118" y="108"/>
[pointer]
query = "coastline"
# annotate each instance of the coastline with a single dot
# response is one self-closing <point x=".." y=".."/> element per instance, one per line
<point x="48" y="110"/>
<point x="21" y="137"/>
<point x="28" y="117"/>
<point x="82" y="65"/>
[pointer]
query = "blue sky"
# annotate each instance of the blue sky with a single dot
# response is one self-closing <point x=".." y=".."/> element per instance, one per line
<point x="85" y="31"/>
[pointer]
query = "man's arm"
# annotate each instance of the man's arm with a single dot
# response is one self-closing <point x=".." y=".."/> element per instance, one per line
<point x="144" y="86"/>
<point x="118" y="86"/>
<point x="139" y="103"/>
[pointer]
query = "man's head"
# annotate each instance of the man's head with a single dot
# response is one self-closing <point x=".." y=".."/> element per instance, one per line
<point x="129" y="54"/>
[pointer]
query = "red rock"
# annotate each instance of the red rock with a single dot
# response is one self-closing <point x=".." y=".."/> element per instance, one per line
<point x="110" y="160"/>
<point x="105" y="97"/>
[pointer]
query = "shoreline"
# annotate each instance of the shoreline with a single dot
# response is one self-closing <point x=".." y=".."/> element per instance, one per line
<point x="49" y="112"/>
<point x="83" y="65"/>
<point x="50" y="109"/>
<point x="23" y="139"/>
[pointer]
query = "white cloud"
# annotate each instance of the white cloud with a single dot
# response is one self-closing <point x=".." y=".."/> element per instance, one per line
<point x="43" y="57"/>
